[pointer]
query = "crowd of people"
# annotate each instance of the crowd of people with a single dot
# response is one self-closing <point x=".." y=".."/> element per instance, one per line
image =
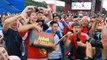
<point x="76" y="37"/>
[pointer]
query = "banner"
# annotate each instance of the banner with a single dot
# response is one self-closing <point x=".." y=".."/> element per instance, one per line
<point x="41" y="40"/>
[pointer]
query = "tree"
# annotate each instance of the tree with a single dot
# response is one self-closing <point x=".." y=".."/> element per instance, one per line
<point x="104" y="11"/>
<point x="41" y="4"/>
<point x="38" y="4"/>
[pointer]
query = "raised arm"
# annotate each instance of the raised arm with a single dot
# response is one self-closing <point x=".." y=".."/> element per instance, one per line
<point x="7" y="22"/>
<point x="29" y="26"/>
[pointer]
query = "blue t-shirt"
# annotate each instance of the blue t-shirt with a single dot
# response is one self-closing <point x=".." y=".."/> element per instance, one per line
<point x="57" y="32"/>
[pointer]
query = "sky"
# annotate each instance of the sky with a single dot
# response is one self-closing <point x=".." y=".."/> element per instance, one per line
<point x="105" y="4"/>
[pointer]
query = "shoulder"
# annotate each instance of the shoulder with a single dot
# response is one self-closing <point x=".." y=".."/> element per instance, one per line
<point x="48" y="31"/>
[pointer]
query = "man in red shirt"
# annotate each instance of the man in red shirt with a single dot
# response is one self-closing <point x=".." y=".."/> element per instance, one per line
<point x="85" y="24"/>
<point x="78" y="40"/>
<point x="32" y="52"/>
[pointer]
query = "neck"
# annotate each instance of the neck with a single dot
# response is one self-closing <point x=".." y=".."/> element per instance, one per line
<point x="53" y="32"/>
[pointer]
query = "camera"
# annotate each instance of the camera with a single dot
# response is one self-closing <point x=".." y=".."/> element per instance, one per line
<point x="95" y="43"/>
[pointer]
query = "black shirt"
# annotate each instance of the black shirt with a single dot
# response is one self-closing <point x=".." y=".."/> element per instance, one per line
<point x="12" y="42"/>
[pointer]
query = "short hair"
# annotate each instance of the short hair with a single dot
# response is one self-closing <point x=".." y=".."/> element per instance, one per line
<point x="75" y="24"/>
<point x="56" y="15"/>
<point x="53" y="22"/>
<point x="75" y="16"/>
<point x="40" y="12"/>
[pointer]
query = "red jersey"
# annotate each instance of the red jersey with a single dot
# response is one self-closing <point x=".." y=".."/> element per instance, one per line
<point x="33" y="52"/>
<point x="66" y="29"/>
<point x="82" y="37"/>
<point x="73" y="39"/>
<point x="84" y="29"/>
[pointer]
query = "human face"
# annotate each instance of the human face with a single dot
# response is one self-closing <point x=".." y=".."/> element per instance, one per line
<point x="33" y="17"/>
<point x="92" y="21"/>
<point x="3" y="54"/>
<point x="14" y="24"/>
<point x="40" y="15"/>
<point x="54" y="27"/>
<point x="56" y="19"/>
<point x="76" y="29"/>
<point x="85" y="22"/>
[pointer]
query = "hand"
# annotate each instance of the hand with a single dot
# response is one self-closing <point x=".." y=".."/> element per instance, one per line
<point x="53" y="47"/>
<point x="69" y="33"/>
<point x="29" y="8"/>
<point x="48" y="8"/>
<point x="98" y="20"/>
<point x="62" y="20"/>
<point x="22" y="17"/>
<point x="37" y="27"/>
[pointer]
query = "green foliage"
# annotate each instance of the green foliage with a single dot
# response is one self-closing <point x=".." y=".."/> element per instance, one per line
<point x="104" y="11"/>
<point x="41" y="4"/>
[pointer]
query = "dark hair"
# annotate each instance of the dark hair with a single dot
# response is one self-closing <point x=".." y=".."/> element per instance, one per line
<point x="53" y="22"/>
<point x="29" y="13"/>
<point x="75" y="24"/>
<point x="36" y="9"/>
<point x="75" y="16"/>
<point x="56" y="15"/>
<point x="40" y="12"/>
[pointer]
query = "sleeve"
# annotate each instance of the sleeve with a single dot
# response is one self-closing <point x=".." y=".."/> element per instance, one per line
<point x="59" y="34"/>
<point x="48" y="31"/>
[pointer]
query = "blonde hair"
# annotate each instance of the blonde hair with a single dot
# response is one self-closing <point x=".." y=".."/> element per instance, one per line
<point x="6" y="17"/>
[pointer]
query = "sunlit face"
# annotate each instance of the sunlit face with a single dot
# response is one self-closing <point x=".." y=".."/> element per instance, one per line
<point x="3" y="54"/>
<point x="33" y="17"/>
<point x="14" y="24"/>
<point x="76" y="29"/>
<point x="54" y="27"/>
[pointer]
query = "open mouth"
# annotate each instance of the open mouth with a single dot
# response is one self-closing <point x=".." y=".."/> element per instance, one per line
<point x="77" y="32"/>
